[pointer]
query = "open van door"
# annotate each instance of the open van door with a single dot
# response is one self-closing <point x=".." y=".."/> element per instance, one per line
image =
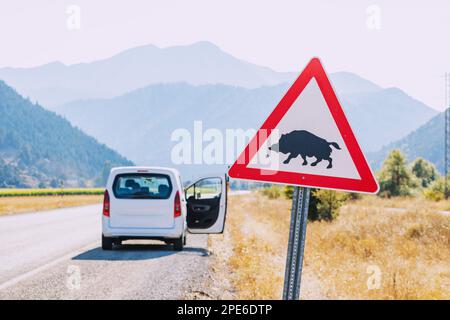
<point x="206" y="201"/>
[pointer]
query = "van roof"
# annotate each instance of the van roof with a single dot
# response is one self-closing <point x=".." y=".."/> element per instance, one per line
<point x="131" y="169"/>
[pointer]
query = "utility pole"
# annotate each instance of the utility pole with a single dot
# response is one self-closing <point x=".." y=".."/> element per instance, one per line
<point x="447" y="135"/>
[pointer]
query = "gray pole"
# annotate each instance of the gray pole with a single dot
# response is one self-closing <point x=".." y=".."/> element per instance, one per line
<point x="296" y="245"/>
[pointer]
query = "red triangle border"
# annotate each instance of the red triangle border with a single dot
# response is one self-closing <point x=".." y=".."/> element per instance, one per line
<point x="367" y="183"/>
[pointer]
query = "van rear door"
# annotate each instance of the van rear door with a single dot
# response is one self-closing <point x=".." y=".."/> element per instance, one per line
<point x="207" y="204"/>
<point x="142" y="200"/>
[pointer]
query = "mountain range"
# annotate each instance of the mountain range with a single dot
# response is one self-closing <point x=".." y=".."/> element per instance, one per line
<point x="139" y="124"/>
<point x="39" y="148"/>
<point x="199" y="63"/>
<point x="134" y="100"/>
<point x="426" y="142"/>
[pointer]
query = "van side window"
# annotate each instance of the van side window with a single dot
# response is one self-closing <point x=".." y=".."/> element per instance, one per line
<point x="208" y="188"/>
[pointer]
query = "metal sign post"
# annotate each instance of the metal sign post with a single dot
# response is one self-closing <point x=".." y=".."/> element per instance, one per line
<point x="309" y="121"/>
<point x="296" y="245"/>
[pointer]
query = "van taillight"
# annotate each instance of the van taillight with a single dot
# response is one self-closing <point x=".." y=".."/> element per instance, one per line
<point x="106" y="204"/>
<point x="177" y="206"/>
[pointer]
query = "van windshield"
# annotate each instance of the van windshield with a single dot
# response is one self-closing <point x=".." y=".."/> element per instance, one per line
<point x="142" y="186"/>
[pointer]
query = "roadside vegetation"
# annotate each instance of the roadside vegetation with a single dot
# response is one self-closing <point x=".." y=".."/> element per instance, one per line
<point x="31" y="200"/>
<point x="257" y="237"/>
<point x="374" y="253"/>
<point x="366" y="252"/>
<point x="394" y="245"/>
<point x="50" y="192"/>
<point x="12" y="205"/>
<point x="402" y="185"/>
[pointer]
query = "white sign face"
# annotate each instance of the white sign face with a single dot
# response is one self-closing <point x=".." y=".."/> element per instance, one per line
<point x="307" y="141"/>
<point x="311" y="114"/>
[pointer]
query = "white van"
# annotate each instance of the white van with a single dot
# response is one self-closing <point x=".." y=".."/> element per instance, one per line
<point x="151" y="203"/>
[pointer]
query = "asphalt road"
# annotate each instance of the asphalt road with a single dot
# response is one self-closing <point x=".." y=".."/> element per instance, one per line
<point x="57" y="255"/>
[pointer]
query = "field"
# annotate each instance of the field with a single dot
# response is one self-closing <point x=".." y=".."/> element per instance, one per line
<point x="408" y="203"/>
<point x="30" y="200"/>
<point x="49" y="192"/>
<point x="368" y="252"/>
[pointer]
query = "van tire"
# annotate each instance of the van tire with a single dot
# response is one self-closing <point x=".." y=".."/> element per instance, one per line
<point x="178" y="244"/>
<point x="107" y="243"/>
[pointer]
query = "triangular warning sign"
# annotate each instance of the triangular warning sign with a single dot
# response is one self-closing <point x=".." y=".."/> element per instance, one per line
<point x="307" y="141"/>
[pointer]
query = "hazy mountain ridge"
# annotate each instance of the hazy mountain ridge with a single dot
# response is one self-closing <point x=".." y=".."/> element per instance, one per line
<point x="383" y="116"/>
<point x="133" y="100"/>
<point x="347" y="83"/>
<point x="39" y="147"/>
<point x="199" y="63"/>
<point x="144" y="119"/>
<point x="426" y="142"/>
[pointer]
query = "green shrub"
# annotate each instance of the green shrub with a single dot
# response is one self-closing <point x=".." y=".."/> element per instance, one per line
<point x="272" y="192"/>
<point x="288" y="192"/>
<point x="425" y="171"/>
<point x="436" y="191"/>
<point x="353" y="196"/>
<point x="395" y="178"/>
<point x="324" y="204"/>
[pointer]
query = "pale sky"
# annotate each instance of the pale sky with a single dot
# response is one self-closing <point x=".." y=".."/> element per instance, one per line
<point x="410" y="50"/>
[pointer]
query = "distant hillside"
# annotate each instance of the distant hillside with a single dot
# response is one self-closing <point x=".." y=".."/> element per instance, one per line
<point x="426" y="142"/>
<point x="199" y="63"/>
<point x="383" y="116"/>
<point x="347" y="83"/>
<point x="144" y="119"/>
<point x="40" y="147"/>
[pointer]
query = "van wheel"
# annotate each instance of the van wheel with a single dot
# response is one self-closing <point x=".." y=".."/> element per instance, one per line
<point x="178" y="244"/>
<point x="107" y="243"/>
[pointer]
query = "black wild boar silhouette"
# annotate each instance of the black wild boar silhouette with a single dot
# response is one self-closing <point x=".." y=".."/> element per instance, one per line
<point x="305" y="144"/>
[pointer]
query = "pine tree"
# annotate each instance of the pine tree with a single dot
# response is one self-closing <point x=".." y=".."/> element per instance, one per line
<point x="395" y="178"/>
<point x="425" y="171"/>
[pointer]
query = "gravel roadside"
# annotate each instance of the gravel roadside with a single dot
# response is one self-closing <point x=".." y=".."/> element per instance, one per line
<point x="132" y="271"/>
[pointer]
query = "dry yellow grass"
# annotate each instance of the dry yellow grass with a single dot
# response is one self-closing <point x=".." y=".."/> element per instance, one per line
<point x="411" y="203"/>
<point x="10" y="205"/>
<point x="258" y="246"/>
<point x="411" y="250"/>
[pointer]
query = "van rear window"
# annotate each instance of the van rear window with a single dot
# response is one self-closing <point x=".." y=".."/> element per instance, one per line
<point x="142" y="186"/>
